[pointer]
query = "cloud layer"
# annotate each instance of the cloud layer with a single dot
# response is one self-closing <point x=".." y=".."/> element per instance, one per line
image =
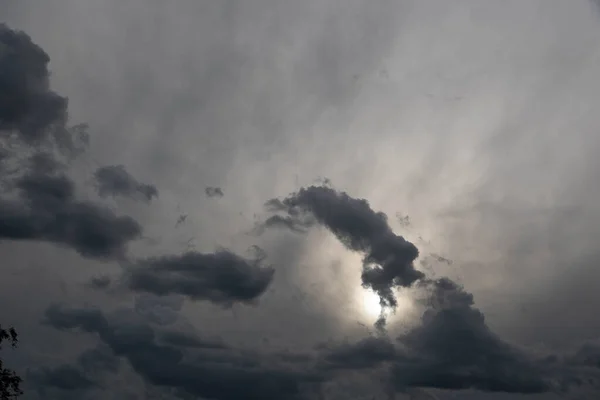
<point x="452" y="118"/>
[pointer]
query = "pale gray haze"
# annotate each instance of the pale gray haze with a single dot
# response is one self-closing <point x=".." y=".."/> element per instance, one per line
<point x="301" y="199"/>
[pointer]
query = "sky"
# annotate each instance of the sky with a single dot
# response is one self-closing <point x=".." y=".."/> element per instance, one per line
<point x="275" y="199"/>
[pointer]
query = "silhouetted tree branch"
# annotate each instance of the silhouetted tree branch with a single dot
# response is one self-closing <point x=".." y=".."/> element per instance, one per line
<point x="10" y="382"/>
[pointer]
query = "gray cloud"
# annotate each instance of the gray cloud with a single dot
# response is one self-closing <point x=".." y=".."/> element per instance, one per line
<point x="28" y="107"/>
<point x="453" y="348"/>
<point x="389" y="258"/>
<point x="222" y="277"/>
<point x="213" y="191"/>
<point x="114" y="180"/>
<point x="366" y="353"/>
<point x="65" y="377"/>
<point x="455" y="114"/>
<point x="100" y="282"/>
<point x="40" y="203"/>
<point x="48" y="211"/>
<point x="98" y="360"/>
<point x="186" y="340"/>
<point x="159" y="310"/>
<point x="222" y="375"/>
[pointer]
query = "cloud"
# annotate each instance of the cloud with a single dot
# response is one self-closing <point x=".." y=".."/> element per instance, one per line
<point x="39" y="203"/>
<point x="213" y="191"/>
<point x="115" y="180"/>
<point x="313" y="71"/>
<point x="64" y="377"/>
<point x="187" y="340"/>
<point x="28" y="107"/>
<point x="217" y="372"/>
<point x="388" y="258"/>
<point x="420" y="394"/>
<point x="100" y="282"/>
<point x="47" y="210"/>
<point x="159" y="310"/>
<point x="366" y="353"/>
<point x="447" y="352"/>
<point x="221" y="277"/>
<point x="74" y="380"/>
<point x="452" y="348"/>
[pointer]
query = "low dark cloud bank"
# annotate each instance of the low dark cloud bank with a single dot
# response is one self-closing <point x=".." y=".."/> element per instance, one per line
<point x="188" y="363"/>
<point x="451" y="348"/>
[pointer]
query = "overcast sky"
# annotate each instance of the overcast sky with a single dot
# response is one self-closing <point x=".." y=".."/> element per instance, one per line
<point x="220" y="235"/>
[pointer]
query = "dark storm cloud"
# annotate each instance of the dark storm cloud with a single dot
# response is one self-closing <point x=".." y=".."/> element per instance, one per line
<point x="222" y="277"/>
<point x="388" y="261"/>
<point x="366" y="353"/>
<point x="115" y="180"/>
<point x="29" y="109"/>
<point x="208" y="371"/>
<point x="98" y="360"/>
<point x="159" y="310"/>
<point x="588" y="354"/>
<point x="45" y="162"/>
<point x="47" y="210"/>
<point x="84" y="375"/>
<point x="213" y="191"/>
<point x="452" y="348"/>
<point x="39" y="203"/>
<point x="27" y="105"/>
<point x="64" y="377"/>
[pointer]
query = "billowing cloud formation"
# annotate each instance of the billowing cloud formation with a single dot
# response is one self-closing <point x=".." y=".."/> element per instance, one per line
<point x="388" y="261"/>
<point x="39" y="202"/>
<point x="452" y="348"/>
<point x="221" y="277"/>
<point x="115" y="180"/>
<point x="197" y="366"/>
<point x="84" y="375"/>
<point x="212" y="191"/>
<point x="29" y="109"/>
<point x="215" y="372"/>
<point x="47" y="210"/>
<point x="27" y="105"/>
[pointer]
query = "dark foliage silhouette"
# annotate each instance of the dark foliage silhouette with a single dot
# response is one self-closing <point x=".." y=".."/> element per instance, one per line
<point x="10" y="382"/>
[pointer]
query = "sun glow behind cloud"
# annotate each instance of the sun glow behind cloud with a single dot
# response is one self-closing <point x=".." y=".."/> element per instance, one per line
<point x="370" y="302"/>
<point x="370" y="309"/>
